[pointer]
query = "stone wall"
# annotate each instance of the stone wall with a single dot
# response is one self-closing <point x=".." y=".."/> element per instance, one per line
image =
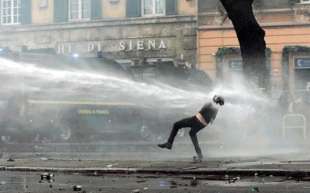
<point x="168" y="37"/>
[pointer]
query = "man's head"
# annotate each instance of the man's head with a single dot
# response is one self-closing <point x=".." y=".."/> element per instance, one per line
<point x="218" y="100"/>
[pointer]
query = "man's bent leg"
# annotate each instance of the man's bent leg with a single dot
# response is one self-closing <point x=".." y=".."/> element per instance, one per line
<point x="176" y="127"/>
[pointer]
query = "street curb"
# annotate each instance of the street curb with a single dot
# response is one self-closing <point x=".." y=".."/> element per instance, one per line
<point x="199" y="172"/>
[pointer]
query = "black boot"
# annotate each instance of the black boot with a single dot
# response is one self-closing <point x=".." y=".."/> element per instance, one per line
<point x="165" y="145"/>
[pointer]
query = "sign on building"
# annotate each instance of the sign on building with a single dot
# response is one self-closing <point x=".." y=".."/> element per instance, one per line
<point x="111" y="46"/>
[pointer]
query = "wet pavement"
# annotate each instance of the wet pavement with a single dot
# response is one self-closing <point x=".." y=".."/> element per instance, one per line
<point x="51" y="175"/>
<point x="182" y="164"/>
<point x="30" y="182"/>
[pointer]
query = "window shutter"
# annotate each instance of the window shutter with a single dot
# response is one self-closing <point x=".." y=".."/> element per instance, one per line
<point x="133" y="8"/>
<point x="96" y="9"/>
<point x="61" y="13"/>
<point x="25" y="12"/>
<point x="171" y="7"/>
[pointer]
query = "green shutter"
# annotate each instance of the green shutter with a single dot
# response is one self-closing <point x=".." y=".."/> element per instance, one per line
<point x="25" y="12"/>
<point x="96" y="9"/>
<point x="61" y="13"/>
<point x="133" y="8"/>
<point x="171" y="7"/>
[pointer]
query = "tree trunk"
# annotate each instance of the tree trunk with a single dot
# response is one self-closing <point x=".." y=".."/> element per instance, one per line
<point x="251" y="39"/>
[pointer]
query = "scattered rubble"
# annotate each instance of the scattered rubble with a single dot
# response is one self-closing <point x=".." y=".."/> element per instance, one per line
<point x="173" y="184"/>
<point x="226" y="177"/>
<point x="233" y="180"/>
<point x="255" y="189"/>
<point x="77" y="188"/>
<point x="136" y="191"/>
<point x="47" y="176"/>
<point x="194" y="181"/>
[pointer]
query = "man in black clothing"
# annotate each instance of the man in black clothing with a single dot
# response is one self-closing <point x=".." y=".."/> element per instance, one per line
<point x="204" y="117"/>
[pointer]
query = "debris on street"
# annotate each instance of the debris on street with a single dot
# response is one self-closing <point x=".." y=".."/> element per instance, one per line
<point x="255" y="189"/>
<point x="194" y="181"/>
<point x="77" y="188"/>
<point x="233" y="180"/>
<point x="136" y="191"/>
<point x="173" y="184"/>
<point x="47" y="177"/>
<point x="226" y="177"/>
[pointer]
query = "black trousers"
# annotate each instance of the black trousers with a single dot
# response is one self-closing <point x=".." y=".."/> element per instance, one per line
<point x="194" y="124"/>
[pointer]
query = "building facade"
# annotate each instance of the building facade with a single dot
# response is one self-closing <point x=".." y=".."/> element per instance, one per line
<point x="130" y="31"/>
<point x="287" y="26"/>
<point x="135" y="31"/>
